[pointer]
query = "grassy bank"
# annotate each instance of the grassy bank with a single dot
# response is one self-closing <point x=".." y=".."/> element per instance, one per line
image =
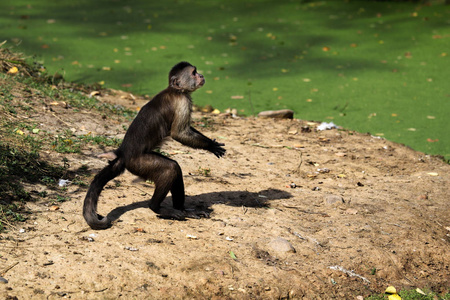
<point x="378" y="67"/>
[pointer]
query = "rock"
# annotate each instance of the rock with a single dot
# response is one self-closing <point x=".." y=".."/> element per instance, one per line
<point x="281" y="245"/>
<point x="333" y="199"/>
<point x="3" y="280"/>
<point x="277" y="114"/>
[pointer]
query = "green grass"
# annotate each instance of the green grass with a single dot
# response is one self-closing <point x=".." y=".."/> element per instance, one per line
<point x="385" y="69"/>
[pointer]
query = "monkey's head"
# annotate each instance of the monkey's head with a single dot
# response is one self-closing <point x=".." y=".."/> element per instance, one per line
<point x="184" y="78"/>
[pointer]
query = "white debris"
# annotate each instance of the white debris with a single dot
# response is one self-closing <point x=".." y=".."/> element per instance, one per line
<point x="325" y="126"/>
<point x="63" y="182"/>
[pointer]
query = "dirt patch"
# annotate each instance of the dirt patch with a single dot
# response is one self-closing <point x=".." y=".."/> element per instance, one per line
<point x="360" y="213"/>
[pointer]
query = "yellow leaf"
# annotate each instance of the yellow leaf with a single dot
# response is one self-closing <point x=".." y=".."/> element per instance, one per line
<point x="275" y="89"/>
<point x="106" y="68"/>
<point x="18" y="131"/>
<point x="394" y="297"/>
<point x="13" y="70"/>
<point x="391" y="290"/>
<point x="209" y="92"/>
<point x="433" y="174"/>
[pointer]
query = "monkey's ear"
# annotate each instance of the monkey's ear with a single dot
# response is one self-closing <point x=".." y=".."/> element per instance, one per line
<point x="174" y="82"/>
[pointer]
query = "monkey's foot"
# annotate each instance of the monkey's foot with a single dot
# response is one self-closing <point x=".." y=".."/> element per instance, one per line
<point x="196" y="214"/>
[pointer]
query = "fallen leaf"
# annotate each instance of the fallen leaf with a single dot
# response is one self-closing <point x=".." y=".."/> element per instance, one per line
<point x="394" y="297"/>
<point x="326" y="49"/>
<point x="53" y="207"/>
<point x="420" y="291"/>
<point x="433" y="174"/>
<point x="237" y="97"/>
<point x="18" y="131"/>
<point x="232" y="255"/>
<point x="13" y="70"/>
<point x="391" y="290"/>
<point x="432" y="141"/>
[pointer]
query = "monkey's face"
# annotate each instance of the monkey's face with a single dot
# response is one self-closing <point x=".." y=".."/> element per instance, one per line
<point x="197" y="78"/>
<point x="187" y="79"/>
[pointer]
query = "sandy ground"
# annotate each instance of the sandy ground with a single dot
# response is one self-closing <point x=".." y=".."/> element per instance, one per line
<point x="294" y="213"/>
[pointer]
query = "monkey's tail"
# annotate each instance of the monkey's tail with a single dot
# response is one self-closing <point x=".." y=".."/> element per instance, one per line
<point x="94" y="220"/>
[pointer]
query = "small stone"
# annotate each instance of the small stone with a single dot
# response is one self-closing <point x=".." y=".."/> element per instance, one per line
<point x="3" y="280"/>
<point x="333" y="199"/>
<point x="281" y="245"/>
<point x="277" y="114"/>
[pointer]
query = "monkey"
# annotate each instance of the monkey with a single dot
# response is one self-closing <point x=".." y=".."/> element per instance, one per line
<point x="168" y="114"/>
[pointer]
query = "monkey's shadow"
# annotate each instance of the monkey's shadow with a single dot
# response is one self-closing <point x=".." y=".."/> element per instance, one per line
<point x="204" y="202"/>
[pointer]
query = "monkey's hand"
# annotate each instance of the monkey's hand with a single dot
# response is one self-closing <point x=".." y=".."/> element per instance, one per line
<point x="216" y="148"/>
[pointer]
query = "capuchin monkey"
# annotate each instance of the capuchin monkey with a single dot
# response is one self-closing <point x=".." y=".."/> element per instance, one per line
<point x="167" y="114"/>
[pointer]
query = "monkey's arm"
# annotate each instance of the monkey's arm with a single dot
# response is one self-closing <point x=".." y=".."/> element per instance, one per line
<point x="193" y="138"/>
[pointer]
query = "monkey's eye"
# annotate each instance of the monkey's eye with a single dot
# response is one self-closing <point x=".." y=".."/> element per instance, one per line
<point x="194" y="72"/>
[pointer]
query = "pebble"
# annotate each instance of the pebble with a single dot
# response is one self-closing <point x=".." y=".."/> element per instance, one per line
<point x="3" y="280"/>
<point x="333" y="199"/>
<point x="281" y="245"/>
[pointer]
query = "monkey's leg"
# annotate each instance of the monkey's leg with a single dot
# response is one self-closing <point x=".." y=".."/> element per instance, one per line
<point x="165" y="173"/>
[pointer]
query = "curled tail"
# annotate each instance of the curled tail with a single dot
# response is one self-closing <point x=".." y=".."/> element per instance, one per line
<point x="94" y="220"/>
